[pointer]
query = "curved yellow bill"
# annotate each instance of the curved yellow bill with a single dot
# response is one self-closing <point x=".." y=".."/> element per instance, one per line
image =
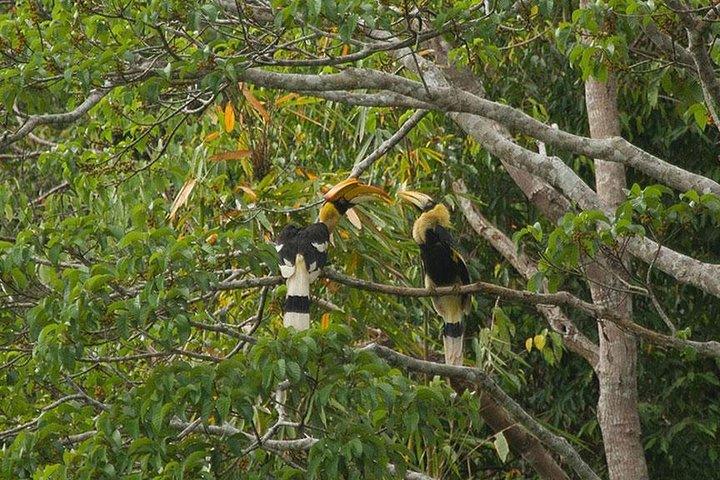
<point x="354" y="191"/>
<point x="420" y="200"/>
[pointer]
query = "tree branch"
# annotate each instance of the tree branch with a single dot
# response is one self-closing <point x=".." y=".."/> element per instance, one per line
<point x="53" y="118"/>
<point x="385" y="147"/>
<point x="558" y="321"/>
<point x="450" y="99"/>
<point x="709" y="348"/>
<point x="709" y="81"/>
<point x="557" y="444"/>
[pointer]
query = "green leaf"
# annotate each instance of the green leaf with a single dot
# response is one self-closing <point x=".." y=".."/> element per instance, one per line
<point x="96" y="282"/>
<point x="501" y="446"/>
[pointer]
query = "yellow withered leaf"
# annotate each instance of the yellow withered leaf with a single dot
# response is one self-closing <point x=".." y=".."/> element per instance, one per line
<point x="255" y="103"/>
<point x="325" y="321"/>
<point x="182" y="197"/>
<point x="232" y="155"/>
<point x="229" y="117"/>
<point x="345" y="49"/>
<point x="528" y="344"/>
<point x="212" y="238"/>
<point x="305" y="173"/>
<point x="249" y="192"/>
<point x="539" y="341"/>
<point x="285" y="99"/>
<point x="211" y="136"/>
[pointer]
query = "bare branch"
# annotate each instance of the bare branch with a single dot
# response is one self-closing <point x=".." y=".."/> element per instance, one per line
<point x="53" y="118"/>
<point x="452" y="99"/>
<point x="385" y="147"/>
<point x="381" y="99"/>
<point x="522" y="296"/>
<point x="298" y="444"/>
<point x="709" y="81"/>
<point x="32" y="423"/>
<point x="57" y="188"/>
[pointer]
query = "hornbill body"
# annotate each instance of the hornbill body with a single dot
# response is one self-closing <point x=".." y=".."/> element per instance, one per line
<point x="444" y="267"/>
<point x="303" y="251"/>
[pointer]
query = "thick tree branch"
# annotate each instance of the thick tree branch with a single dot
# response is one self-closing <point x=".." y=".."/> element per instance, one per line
<point x="557" y="444"/>
<point x="380" y="99"/>
<point x="668" y="45"/>
<point x="450" y="99"/>
<point x="709" y="81"/>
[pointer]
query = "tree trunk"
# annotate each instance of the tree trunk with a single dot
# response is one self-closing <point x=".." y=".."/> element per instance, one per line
<point x="617" y="366"/>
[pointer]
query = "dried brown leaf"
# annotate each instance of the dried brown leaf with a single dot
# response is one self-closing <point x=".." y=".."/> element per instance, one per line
<point x="182" y="197"/>
<point x="255" y="103"/>
<point x="231" y="155"/>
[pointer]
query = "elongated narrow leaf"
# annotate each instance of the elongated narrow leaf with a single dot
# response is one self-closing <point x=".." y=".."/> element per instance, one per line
<point x="232" y="155"/>
<point x="182" y="197"/>
<point x="211" y="136"/>
<point x="255" y="103"/>
<point x="229" y="117"/>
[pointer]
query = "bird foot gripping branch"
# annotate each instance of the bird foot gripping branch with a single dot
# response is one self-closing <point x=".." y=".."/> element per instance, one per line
<point x="303" y="251"/>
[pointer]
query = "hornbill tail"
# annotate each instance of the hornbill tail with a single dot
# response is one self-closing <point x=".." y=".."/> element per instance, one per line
<point x="297" y="299"/>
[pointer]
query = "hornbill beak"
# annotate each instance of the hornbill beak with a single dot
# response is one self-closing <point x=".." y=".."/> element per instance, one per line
<point x="420" y="200"/>
<point x="353" y="191"/>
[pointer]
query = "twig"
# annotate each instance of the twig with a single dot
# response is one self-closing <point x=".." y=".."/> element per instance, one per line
<point x="58" y="188"/>
<point x="385" y="147"/>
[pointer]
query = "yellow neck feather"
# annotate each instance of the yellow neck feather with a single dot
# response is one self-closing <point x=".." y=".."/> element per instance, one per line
<point x="329" y="215"/>
<point x="439" y="215"/>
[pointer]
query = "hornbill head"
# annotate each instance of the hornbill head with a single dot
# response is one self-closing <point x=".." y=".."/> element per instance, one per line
<point x="433" y="213"/>
<point x="346" y="194"/>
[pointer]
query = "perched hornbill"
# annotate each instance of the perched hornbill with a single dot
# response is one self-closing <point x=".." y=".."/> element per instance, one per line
<point x="444" y="267"/>
<point x="303" y="251"/>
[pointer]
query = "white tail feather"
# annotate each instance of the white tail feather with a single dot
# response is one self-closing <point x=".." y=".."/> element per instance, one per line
<point x="298" y="285"/>
<point x="453" y="350"/>
<point x="453" y="313"/>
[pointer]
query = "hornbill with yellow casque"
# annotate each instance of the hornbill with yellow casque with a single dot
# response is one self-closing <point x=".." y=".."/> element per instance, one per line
<point x="444" y="267"/>
<point x="303" y="251"/>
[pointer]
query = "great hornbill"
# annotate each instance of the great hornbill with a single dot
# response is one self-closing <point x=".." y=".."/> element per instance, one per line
<point x="303" y="251"/>
<point x="444" y="267"/>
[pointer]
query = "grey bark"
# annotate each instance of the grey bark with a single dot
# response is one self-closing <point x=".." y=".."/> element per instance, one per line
<point x="617" y="366"/>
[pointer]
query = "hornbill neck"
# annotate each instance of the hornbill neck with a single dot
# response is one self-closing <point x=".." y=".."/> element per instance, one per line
<point x="331" y="212"/>
<point x="438" y="215"/>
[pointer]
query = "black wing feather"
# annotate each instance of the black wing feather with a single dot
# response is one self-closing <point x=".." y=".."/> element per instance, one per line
<point x="293" y="240"/>
<point x="441" y="259"/>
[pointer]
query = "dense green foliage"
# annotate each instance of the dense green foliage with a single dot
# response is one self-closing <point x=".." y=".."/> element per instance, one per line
<point x="181" y="176"/>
